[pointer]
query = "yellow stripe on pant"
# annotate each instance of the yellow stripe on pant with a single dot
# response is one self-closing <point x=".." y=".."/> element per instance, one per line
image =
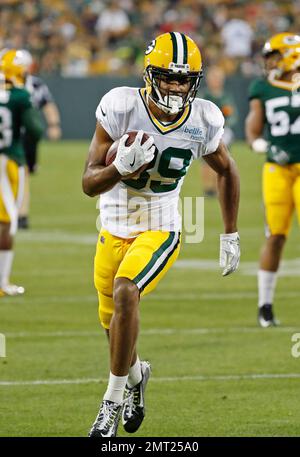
<point x="144" y="259"/>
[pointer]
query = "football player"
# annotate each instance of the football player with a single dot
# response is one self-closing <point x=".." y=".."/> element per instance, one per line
<point x="140" y="234"/>
<point x="16" y="112"/>
<point x="275" y="104"/>
<point x="42" y="100"/>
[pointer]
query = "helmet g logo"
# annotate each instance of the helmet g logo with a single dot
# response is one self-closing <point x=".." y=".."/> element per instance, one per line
<point x="150" y="47"/>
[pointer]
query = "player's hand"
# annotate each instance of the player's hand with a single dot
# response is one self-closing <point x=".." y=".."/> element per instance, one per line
<point x="260" y="146"/>
<point x="130" y="158"/>
<point x="229" y="252"/>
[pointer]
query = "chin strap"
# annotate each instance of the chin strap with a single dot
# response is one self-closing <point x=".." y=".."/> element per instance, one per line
<point x="174" y="107"/>
<point x="173" y="104"/>
<point x="169" y="104"/>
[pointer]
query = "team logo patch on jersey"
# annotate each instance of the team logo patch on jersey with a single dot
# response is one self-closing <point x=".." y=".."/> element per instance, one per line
<point x="195" y="133"/>
<point x="102" y="239"/>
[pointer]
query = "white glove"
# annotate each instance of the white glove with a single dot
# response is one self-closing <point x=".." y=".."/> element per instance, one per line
<point x="260" y="145"/>
<point x="229" y="252"/>
<point x="130" y="158"/>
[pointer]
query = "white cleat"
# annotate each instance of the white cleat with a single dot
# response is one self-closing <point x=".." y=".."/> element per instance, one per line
<point x="107" y="420"/>
<point x="134" y="408"/>
<point x="12" y="290"/>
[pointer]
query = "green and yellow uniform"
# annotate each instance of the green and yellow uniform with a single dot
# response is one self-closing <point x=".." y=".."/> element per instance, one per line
<point x="16" y="112"/>
<point x="281" y="173"/>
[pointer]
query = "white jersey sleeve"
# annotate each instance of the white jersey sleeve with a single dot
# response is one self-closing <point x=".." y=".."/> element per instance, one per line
<point x="213" y="121"/>
<point x="114" y="110"/>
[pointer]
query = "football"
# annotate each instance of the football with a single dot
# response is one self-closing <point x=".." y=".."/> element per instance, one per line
<point x="111" y="153"/>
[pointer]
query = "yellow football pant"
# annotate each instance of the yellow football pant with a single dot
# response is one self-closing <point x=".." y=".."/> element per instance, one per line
<point x="144" y="259"/>
<point x="281" y="195"/>
<point x="11" y="191"/>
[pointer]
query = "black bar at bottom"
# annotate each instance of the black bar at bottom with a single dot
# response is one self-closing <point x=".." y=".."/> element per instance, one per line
<point x="145" y="446"/>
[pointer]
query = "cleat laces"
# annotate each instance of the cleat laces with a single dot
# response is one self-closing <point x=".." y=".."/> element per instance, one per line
<point x="132" y="401"/>
<point x="108" y="415"/>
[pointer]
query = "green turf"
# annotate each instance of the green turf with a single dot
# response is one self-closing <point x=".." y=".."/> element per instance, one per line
<point x="196" y="324"/>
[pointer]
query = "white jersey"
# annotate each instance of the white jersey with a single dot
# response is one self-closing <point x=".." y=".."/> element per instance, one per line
<point x="150" y="202"/>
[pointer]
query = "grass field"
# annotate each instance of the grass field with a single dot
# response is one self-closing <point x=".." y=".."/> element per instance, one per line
<point x="215" y="372"/>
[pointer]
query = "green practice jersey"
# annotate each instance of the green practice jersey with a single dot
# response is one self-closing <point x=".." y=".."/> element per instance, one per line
<point x="282" y="118"/>
<point x="16" y="112"/>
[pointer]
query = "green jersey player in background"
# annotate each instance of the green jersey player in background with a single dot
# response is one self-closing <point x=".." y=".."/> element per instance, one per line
<point x="16" y="112"/>
<point x="43" y="101"/>
<point x="275" y="104"/>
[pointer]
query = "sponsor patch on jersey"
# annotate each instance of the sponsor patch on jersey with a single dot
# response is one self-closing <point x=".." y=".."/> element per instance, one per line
<point x="195" y="133"/>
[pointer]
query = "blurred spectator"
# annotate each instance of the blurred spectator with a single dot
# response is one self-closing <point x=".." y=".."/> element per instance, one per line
<point x="82" y="37"/>
<point x="237" y="35"/>
<point x="112" y="24"/>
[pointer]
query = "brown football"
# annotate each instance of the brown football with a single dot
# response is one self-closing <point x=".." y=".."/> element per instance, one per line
<point x="112" y="152"/>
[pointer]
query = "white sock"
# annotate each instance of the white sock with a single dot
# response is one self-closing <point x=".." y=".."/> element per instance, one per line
<point x="135" y="374"/>
<point x="6" y="260"/>
<point x="115" y="388"/>
<point x="266" y="286"/>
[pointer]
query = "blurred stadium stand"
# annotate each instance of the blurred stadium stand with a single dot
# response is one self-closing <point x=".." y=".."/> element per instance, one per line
<point x="104" y="40"/>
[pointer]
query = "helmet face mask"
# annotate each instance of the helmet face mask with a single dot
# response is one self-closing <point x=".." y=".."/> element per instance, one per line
<point x="271" y="60"/>
<point x="173" y="70"/>
<point x="283" y="53"/>
<point x="168" y="100"/>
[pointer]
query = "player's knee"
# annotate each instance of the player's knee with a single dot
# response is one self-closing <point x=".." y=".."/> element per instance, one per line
<point x="277" y="241"/>
<point x="6" y="239"/>
<point x="126" y="295"/>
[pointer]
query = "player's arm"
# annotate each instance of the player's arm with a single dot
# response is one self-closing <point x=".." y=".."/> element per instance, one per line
<point x="228" y="185"/>
<point x="98" y="178"/>
<point x="254" y="126"/>
<point x="229" y="195"/>
<point x="33" y="123"/>
<point x="52" y="117"/>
